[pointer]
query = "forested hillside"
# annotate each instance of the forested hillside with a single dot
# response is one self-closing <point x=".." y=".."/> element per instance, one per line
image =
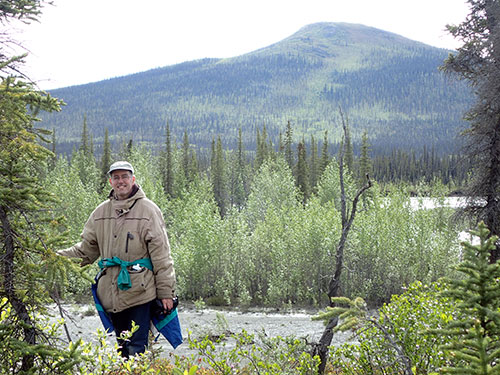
<point x="387" y="85"/>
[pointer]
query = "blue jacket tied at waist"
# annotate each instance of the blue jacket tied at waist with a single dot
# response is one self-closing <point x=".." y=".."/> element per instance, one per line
<point x="124" y="282"/>
<point x="168" y="326"/>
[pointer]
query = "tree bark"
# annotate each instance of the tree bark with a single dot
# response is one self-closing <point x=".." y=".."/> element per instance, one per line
<point x="17" y="304"/>
<point x="492" y="207"/>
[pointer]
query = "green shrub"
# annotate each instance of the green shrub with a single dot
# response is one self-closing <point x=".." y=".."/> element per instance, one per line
<point x="46" y="358"/>
<point x="398" y="336"/>
<point x="256" y="355"/>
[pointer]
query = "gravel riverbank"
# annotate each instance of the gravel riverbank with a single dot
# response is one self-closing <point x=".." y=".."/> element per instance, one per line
<point x="83" y="323"/>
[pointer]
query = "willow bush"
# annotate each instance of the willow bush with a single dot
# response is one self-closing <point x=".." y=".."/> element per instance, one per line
<point x="277" y="251"/>
<point x="394" y="244"/>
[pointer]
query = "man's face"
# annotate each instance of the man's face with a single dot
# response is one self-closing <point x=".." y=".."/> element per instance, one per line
<point x="122" y="182"/>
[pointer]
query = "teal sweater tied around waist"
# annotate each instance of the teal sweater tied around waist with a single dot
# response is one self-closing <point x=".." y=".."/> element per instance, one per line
<point x="124" y="282"/>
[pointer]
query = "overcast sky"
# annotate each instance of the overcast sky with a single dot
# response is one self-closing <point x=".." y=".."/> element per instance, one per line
<point x="81" y="41"/>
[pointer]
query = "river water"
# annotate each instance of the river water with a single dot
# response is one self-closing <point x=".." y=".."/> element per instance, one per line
<point x="297" y="323"/>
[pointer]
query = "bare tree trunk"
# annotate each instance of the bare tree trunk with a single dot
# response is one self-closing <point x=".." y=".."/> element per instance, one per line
<point x="17" y="304"/>
<point x="321" y="349"/>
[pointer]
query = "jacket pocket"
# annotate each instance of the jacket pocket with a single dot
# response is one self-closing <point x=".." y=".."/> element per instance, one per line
<point x="142" y="290"/>
<point x="104" y="291"/>
<point x="132" y="243"/>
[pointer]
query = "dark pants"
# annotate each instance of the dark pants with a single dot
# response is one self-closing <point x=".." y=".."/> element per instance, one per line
<point x="122" y="321"/>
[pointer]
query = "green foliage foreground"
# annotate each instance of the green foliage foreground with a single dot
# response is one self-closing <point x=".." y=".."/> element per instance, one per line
<point x="451" y="326"/>
<point x="394" y="339"/>
<point x="448" y="327"/>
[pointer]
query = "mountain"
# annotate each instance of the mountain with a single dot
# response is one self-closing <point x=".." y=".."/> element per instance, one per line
<point x="385" y="84"/>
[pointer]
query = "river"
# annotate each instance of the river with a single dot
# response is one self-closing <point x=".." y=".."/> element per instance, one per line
<point x="84" y="323"/>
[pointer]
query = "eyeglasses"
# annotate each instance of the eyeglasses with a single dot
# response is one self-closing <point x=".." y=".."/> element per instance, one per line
<point x="124" y="177"/>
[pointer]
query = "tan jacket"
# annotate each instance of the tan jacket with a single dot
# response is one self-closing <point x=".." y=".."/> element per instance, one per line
<point x="130" y="229"/>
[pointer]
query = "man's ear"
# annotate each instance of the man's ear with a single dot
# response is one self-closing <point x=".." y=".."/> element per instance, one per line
<point x="110" y="181"/>
<point x="133" y="178"/>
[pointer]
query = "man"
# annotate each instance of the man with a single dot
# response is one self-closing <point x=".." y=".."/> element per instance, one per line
<point x="128" y="232"/>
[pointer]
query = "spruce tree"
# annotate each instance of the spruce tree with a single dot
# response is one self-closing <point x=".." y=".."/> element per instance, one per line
<point x="263" y="149"/>
<point x="259" y="154"/>
<point x="325" y="158"/>
<point x="281" y="145"/>
<point x="212" y="158"/>
<point x="185" y="156"/>
<point x="270" y="152"/>
<point x="218" y="178"/>
<point x="167" y="165"/>
<point x="348" y="151"/>
<point x="127" y="152"/>
<point x="288" y="145"/>
<point x="239" y="186"/>
<point x="478" y="62"/>
<point x="105" y="160"/>
<point x="85" y="138"/>
<point x="313" y="165"/>
<point x="302" y="179"/>
<point x="264" y="145"/>
<point x="30" y="270"/>
<point x="475" y="329"/>
<point x="21" y="200"/>
<point x="53" y="158"/>
<point x="194" y="169"/>
<point x="85" y="162"/>
<point x="91" y="144"/>
<point x="365" y="164"/>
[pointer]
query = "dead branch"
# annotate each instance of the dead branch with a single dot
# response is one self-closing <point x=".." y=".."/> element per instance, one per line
<point x="347" y="218"/>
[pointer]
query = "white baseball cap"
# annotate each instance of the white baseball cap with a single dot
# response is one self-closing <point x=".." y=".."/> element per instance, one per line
<point x="125" y="165"/>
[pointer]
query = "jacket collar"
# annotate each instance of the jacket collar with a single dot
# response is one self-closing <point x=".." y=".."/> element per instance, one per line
<point x="125" y="205"/>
